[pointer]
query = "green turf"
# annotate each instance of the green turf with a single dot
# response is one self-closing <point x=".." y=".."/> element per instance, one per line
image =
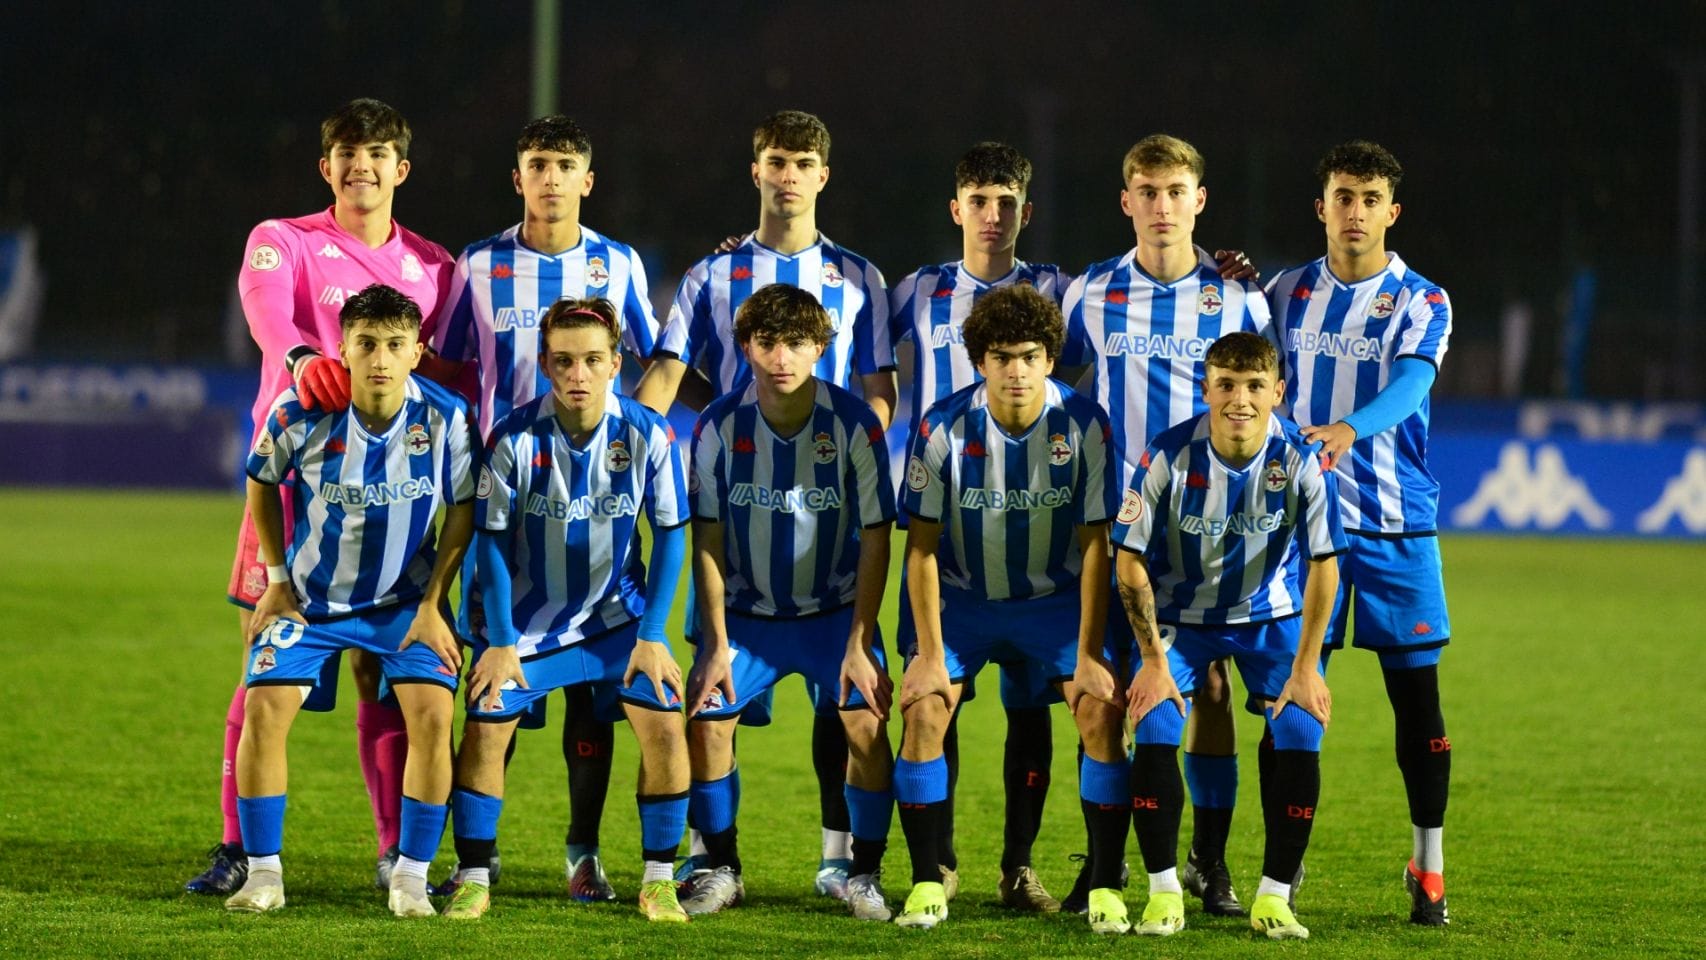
<point x="1575" y="826"/>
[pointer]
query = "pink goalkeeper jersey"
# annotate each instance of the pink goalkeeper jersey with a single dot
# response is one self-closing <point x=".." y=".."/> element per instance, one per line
<point x="297" y="274"/>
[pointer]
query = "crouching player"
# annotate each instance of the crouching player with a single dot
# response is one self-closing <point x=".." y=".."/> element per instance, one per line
<point x="1009" y="493"/>
<point x="566" y="597"/>
<point x="362" y="573"/>
<point x="1210" y="535"/>
<point x="792" y="508"/>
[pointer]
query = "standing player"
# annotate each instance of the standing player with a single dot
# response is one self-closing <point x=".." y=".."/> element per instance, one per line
<point x="790" y="167"/>
<point x="296" y="275"/>
<point x="1008" y="493"/>
<point x="559" y="503"/>
<point x="1210" y="534"/>
<point x="503" y="287"/>
<point x="1144" y="320"/>
<point x="1363" y="336"/>
<point x="791" y="517"/>
<point x="360" y="571"/>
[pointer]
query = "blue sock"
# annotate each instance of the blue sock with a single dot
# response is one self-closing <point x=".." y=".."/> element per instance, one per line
<point x="476" y="814"/>
<point x="1162" y="726"/>
<point x="262" y="822"/>
<point x="422" y="826"/>
<point x="921" y="782"/>
<point x="1107" y="784"/>
<point x="870" y="812"/>
<point x="1213" y="780"/>
<point x="1294" y="729"/>
<point x="663" y="819"/>
<point x="714" y="803"/>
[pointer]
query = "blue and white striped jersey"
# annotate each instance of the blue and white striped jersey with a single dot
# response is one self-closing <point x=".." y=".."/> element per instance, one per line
<point x="791" y="508"/>
<point x="571" y="515"/>
<point x="931" y="305"/>
<point x="1009" y="506"/>
<point x="362" y="536"/>
<point x="500" y="292"/>
<point x="1223" y="543"/>
<point x="701" y="325"/>
<point x="1147" y="339"/>
<point x="1339" y="341"/>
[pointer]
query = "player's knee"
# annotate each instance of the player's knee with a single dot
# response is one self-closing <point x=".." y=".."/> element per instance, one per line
<point x="1296" y="729"/>
<point x="1099" y="724"/>
<point x="1163" y="725"/>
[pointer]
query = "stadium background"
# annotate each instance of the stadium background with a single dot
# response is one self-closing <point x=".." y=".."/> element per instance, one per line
<point x="1553" y="174"/>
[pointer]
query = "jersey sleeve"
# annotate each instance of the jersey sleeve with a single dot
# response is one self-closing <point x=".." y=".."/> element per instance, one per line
<point x="639" y="323"/>
<point x="870" y="470"/>
<point x="705" y="484"/>
<point x="459" y="479"/>
<point x="1077" y="350"/>
<point x="873" y="342"/>
<point x="901" y="307"/>
<point x="278" y="440"/>
<point x="1323" y="532"/>
<point x="1134" y="526"/>
<point x="1096" y="494"/>
<point x="666" y="485"/>
<point x="453" y="336"/>
<point x="689" y="317"/>
<point x="1426" y="327"/>
<point x="928" y="472"/>
<point x="499" y="486"/>
<point x="267" y="286"/>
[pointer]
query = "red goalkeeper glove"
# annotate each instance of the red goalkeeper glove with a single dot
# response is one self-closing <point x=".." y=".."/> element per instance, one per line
<point x="321" y="382"/>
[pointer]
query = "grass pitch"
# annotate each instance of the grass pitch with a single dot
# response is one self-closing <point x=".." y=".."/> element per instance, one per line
<point x="1571" y="694"/>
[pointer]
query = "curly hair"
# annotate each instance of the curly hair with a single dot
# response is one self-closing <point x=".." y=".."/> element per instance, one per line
<point x="1013" y="314"/>
<point x="557" y="133"/>
<point x="793" y="130"/>
<point x="992" y="164"/>
<point x="1362" y="159"/>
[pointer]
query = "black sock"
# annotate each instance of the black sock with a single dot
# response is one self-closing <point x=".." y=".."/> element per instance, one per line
<point x="1026" y="759"/>
<point x="587" y="746"/>
<point x="1424" y="751"/>
<point x="1265" y="776"/>
<point x="1294" y="792"/>
<point x="721" y="850"/>
<point x="867" y="856"/>
<point x="829" y="759"/>
<point x="1106" y="824"/>
<point x="921" y="822"/>
<point x="1158" y="802"/>
<point x="1210" y="827"/>
<point x="474" y="854"/>
<point x="945" y="820"/>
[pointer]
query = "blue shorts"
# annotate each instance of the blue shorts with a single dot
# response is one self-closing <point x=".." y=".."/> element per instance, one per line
<point x="291" y="654"/>
<point x="757" y="712"/>
<point x="600" y="660"/>
<point x="1021" y="687"/>
<point x="1041" y="633"/>
<point x="766" y="650"/>
<point x="1263" y="653"/>
<point x="1397" y="589"/>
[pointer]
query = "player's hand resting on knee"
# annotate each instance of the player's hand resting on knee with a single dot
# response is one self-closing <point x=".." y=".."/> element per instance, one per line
<point x="1153" y="685"/>
<point x="652" y="659"/>
<point x="712" y="670"/>
<point x="277" y="603"/>
<point x="497" y="666"/>
<point x="924" y="677"/>
<point x="432" y="629"/>
<point x="859" y="671"/>
<point x="1307" y="689"/>
<point x="1094" y="678"/>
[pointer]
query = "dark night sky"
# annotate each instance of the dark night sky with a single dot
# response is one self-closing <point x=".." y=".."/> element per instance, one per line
<point x="143" y="141"/>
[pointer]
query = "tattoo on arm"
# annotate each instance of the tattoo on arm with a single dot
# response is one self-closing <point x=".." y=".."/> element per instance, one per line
<point x="1140" y="609"/>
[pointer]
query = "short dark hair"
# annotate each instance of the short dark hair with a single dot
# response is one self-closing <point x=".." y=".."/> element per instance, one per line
<point x="365" y="121"/>
<point x="555" y="132"/>
<point x="1013" y="314"/>
<point x="792" y="130"/>
<point x="992" y="164"/>
<point x="1243" y="352"/>
<point x="571" y="312"/>
<point x="1362" y="159"/>
<point x="381" y="306"/>
<point x="788" y="314"/>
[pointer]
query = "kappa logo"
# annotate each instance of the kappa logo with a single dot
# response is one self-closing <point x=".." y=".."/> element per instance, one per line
<point x="1543" y="494"/>
<point x="1683" y="500"/>
<point x="596" y="274"/>
<point x="1117" y="296"/>
<point x="1301" y="292"/>
<point x="410" y="268"/>
<point x="945" y="293"/>
<point x="331" y="252"/>
<point x="265" y="257"/>
<point x="745" y="445"/>
<point x="974" y="449"/>
<point x="740" y="273"/>
<point x="823" y="448"/>
<point x="502" y="271"/>
<point x="335" y="445"/>
<point x="1208" y="301"/>
<point x="417" y="441"/>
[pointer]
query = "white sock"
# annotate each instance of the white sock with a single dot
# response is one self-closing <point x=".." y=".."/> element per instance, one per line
<point x="266" y="863"/>
<point x="478" y="875"/>
<point x="837" y="844"/>
<point x="1270" y="885"/>
<point x="1429" y="849"/>
<point x="658" y="870"/>
<point x="696" y="843"/>
<point x="1167" y="881"/>
<point x="411" y="868"/>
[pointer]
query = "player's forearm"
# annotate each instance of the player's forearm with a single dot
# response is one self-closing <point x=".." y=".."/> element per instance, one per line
<point x="268" y="308"/>
<point x="1093" y="589"/>
<point x="452" y="547"/>
<point x="495" y="590"/>
<point x="267" y="510"/>
<point x="1318" y="596"/>
<point x="658" y="386"/>
<point x="880" y="395"/>
<point x="708" y="579"/>
<point x="1137" y="596"/>
<point x="924" y="588"/>
<point x="669" y="550"/>
<point x="870" y="582"/>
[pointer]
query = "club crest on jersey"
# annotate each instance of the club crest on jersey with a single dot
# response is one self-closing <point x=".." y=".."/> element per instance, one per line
<point x="596" y="274"/>
<point x="263" y="446"/>
<point x="1382" y="307"/>
<point x="411" y="268"/>
<point x="823" y="448"/>
<point x="1208" y="301"/>
<point x="617" y="458"/>
<point x="265" y="257"/>
<point x="417" y="440"/>
<point x="1059" y="451"/>
<point x="484" y="490"/>
<point x="831" y="276"/>
<point x="255" y="579"/>
<point x="1273" y="476"/>
<point x="917" y="474"/>
<point x="1131" y="508"/>
<point x="265" y="660"/>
